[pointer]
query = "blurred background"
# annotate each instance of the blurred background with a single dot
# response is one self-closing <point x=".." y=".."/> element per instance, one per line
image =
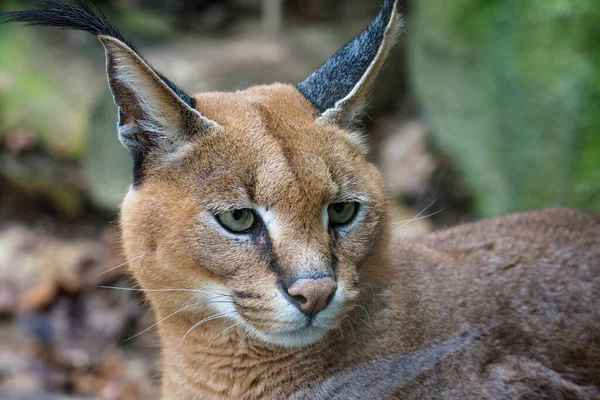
<point x="486" y="107"/>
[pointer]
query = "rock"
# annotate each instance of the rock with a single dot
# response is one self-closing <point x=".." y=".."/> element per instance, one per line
<point x="405" y="159"/>
<point x="511" y="91"/>
<point x="106" y="164"/>
<point x="41" y="94"/>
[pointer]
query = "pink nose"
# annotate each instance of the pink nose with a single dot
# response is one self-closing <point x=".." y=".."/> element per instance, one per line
<point x="312" y="295"/>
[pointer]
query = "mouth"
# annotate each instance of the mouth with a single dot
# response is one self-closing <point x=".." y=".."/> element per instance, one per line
<point x="307" y="330"/>
<point x="284" y="326"/>
<point x="305" y="333"/>
<point x="300" y="337"/>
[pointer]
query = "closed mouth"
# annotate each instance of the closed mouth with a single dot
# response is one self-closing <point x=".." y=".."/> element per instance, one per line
<point x="299" y="336"/>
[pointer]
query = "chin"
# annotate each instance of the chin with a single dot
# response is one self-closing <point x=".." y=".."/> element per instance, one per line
<point x="300" y="337"/>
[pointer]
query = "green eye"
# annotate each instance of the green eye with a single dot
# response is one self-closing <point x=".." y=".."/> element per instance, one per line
<point x="237" y="221"/>
<point x="342" y="213"/>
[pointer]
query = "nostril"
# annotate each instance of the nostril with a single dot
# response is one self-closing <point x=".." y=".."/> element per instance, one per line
<point x="330" y="297"/>
<point x="312" y="296"/>
<point x="299" y="299"/>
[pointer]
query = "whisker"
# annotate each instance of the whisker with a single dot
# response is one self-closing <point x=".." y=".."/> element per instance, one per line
<point x="372" y="290"/>
<point x="244" y="336"/>
<point x="220" y="333"/>
<point x="351" y="327"/>
<point x="126" y="262"/>
<point x="366" y="312"/>
<point x="170" y="315"/>
<point x="420" y="213"/>
<point x="418" y="218"/>
<point x="366" y="323"/>
<point x="165" y="290"/>
<point x="197" y="324"/>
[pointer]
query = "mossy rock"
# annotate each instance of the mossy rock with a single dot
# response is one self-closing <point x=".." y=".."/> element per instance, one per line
<point x="46" y="89"/>
<point x="512" y="92"/>
<point x="106" y="164"/>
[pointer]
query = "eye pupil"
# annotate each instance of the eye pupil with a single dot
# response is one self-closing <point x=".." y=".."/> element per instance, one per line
<point x="237" y="221"/>
<point x="342" y="213"/>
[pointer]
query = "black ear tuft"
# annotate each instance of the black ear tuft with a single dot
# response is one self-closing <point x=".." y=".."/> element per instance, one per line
<point x="356" y="64"/>
<point x="87" y="18"/>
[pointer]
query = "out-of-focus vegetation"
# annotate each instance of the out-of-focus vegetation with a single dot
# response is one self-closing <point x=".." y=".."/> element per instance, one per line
<point x="512" y="92"/>
<point x="486" y="107"/>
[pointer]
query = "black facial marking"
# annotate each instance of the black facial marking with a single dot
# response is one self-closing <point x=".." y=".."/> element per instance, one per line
<point x="138" y="168"/>
<point x="334" y="261"/>
<point x="246" y="295"/>
<point x="248" y="308"/>
<point x="262" y="240"/>
<point x="336" y="78"/>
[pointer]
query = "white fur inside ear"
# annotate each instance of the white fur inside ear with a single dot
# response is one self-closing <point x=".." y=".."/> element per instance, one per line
<point x="163" y="110"/>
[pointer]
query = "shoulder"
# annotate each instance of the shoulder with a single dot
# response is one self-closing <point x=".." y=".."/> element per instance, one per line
<point x="552" y="225"/>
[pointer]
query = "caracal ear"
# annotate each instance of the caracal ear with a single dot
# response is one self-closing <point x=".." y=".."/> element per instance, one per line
<point x="340" y="87"/>
<point x="152" y="117"/>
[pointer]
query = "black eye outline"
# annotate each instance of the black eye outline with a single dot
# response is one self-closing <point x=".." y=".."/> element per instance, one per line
<point x="242" y="232"/>
<point x="351" y="219"/>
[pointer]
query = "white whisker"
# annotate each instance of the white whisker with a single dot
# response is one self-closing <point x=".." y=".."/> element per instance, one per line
<point x="165" y="290"/>
<point x="244" y="336"/>
<point x="197" y="324"/>
<point x="366" y="312"/>
<point x="417" y="218"/>
<point x="366" y="323"/>
<point x="420" y="213"/>
<point x="219" y="334"/>
<point x="126" y="262"/>
<point x="172" y="314"/>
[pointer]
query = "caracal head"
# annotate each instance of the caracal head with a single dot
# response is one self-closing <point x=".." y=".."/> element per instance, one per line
<point x="290" y="170"/>
<point x="259" y="206"/>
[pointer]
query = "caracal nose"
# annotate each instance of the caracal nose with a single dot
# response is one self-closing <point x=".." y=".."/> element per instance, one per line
<point x="312" y="295"/>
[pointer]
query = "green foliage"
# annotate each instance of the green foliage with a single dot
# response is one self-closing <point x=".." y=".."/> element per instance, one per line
<point x="38" y="93"/>
<point x="512" y="90"/>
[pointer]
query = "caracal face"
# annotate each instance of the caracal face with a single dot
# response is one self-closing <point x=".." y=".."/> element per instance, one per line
<point x="287" y="168"/>
<point x="258" y="206"/>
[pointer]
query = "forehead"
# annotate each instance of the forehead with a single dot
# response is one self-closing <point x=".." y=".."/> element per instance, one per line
<point x="271" y="150"/>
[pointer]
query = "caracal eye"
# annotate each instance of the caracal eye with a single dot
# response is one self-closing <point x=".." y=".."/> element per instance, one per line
<point x="237" y="221"/>
<point x="342" y="213"/>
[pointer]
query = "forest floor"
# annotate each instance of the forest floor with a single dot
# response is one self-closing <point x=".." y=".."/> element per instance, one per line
<point x="63" y="335"/>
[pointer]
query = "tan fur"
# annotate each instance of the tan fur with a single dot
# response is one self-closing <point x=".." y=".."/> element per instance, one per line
<point x="529" y="281"/>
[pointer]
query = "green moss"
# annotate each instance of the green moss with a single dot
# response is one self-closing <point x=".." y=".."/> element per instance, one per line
<point x="42" y="93"/>
<point x="511" y="94"/>
<point x="147" y="23"/>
